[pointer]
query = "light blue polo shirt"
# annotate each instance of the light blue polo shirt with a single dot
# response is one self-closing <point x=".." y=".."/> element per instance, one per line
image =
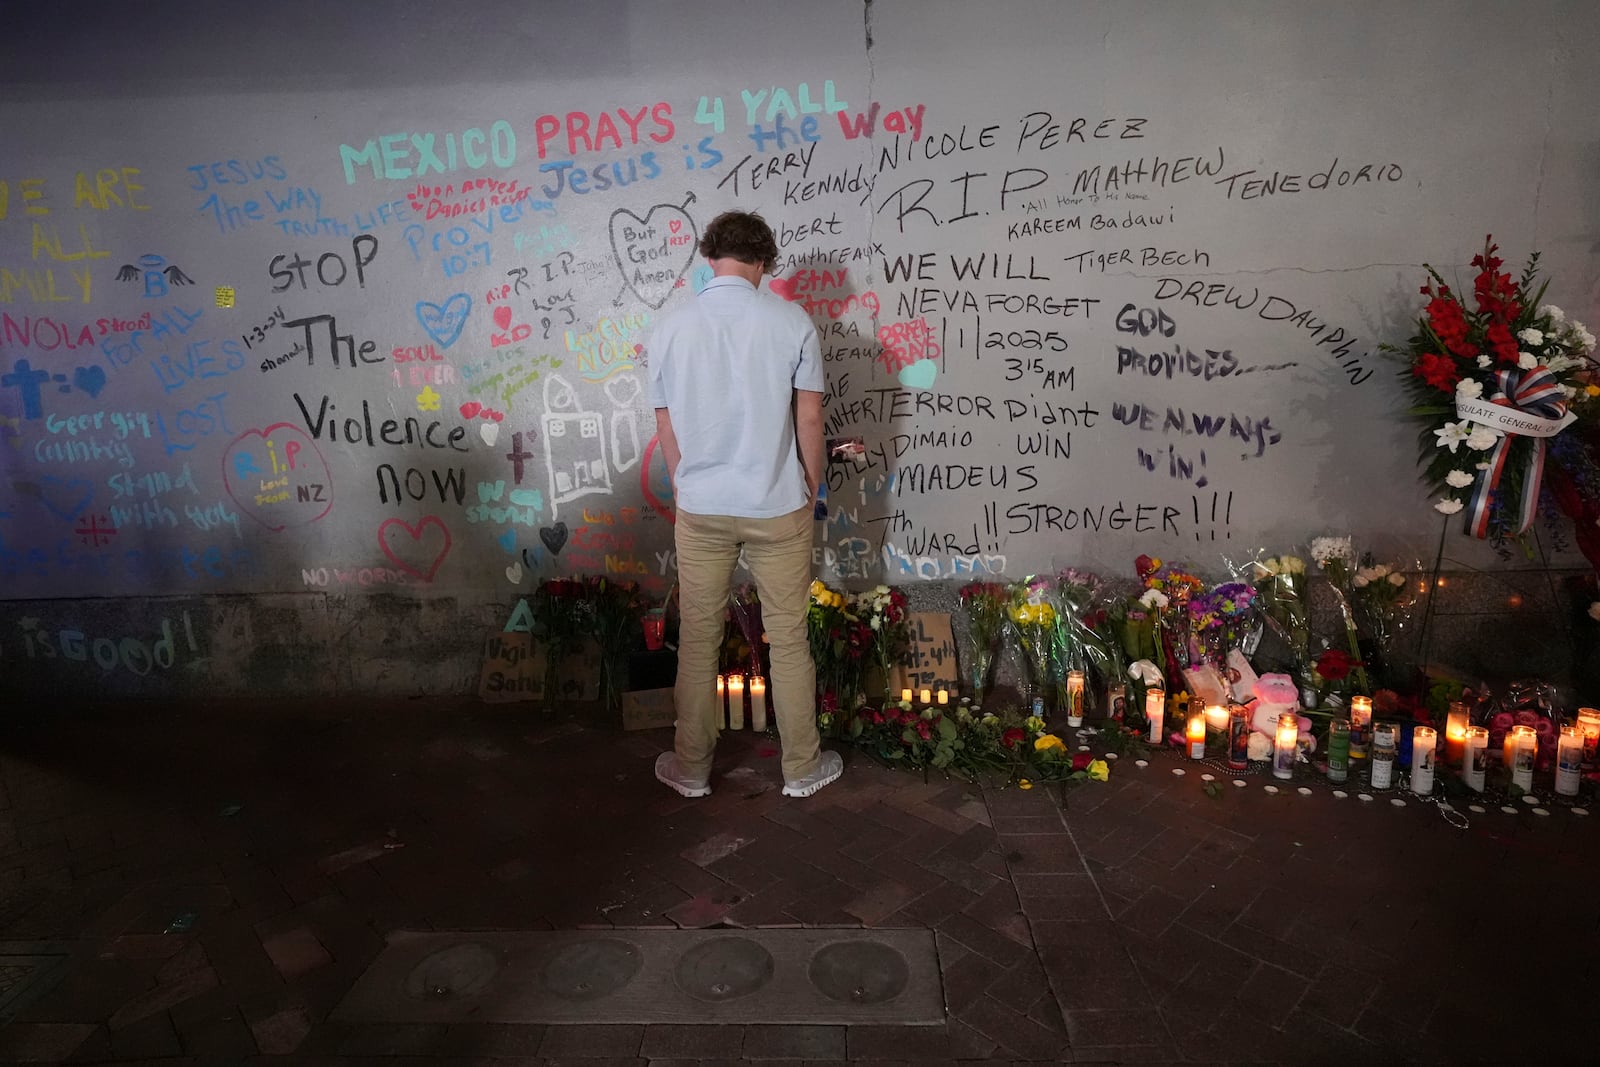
<point x="726" y="367"/>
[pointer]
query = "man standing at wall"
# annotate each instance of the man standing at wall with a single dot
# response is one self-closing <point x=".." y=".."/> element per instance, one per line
<point x="736" y="381"/>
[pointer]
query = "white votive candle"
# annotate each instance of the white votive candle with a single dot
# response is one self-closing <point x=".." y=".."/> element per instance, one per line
<point x="758" y="703"/>
<point x="1424" y="747"/>
<point x="1155" y="709"/>
<point x="736" y="702"/>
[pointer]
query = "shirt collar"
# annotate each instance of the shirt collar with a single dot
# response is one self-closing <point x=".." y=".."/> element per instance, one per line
<point x="728" y="281"/>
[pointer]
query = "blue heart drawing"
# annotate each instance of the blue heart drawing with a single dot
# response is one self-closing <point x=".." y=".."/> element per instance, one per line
<point x="444" y="322"/>
<point x="63" y="498"/>
<point x="89" y="379"/>
<point x="508" y="540"/>
<point x="919" y="375"/>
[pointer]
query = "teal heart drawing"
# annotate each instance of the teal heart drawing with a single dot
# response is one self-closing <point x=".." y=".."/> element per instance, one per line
<point x="444" y="322"/>
<point x="508" y="540"/>
<point x="919" y="375"/>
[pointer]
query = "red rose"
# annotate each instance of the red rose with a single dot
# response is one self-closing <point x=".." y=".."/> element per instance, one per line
<point x="924" y="729"/>
<point x="1145" y="566"/>
<point x="1012" y="737"/>
<point x="1081" y="760"/>
<point x="1335" y="664"/>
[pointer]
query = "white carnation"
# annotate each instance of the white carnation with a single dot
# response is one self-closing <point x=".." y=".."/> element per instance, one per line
<point x="1458" y="479"/>
<point x="1551" y="312"/>
<point x="1482" y="438"/>
<point x="1154" y="598"/>
<point x="1527" y="360"/>
<point x="1484" y="362"/>
<point x="1531" y="336"/>
<point x="1470" y="388"/>
<point x="1447" y="506"/>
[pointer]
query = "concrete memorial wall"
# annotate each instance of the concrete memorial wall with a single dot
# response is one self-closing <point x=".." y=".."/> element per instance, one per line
<point x="320" y="323"/>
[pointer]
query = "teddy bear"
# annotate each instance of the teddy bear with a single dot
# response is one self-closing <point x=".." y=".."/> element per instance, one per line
<point x="1276" y="694"/>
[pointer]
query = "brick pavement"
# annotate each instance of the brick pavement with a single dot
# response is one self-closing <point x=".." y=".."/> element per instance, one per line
<point x="221" y="878"/>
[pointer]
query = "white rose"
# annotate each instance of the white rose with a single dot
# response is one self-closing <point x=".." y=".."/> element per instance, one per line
<point x="1470" y="388"/>
<point x="1594" y="611"/>
<point x="1531" y="336"/>
<point x="1527" y="360"/>
<point x="1484" y="362"/>
<point x="1447" y="506"/>
<point x="1482" y="438"/>
<point x="1458" y="479"/>
<point x="1397" y="578"/>
<point x="1360" y="581"/>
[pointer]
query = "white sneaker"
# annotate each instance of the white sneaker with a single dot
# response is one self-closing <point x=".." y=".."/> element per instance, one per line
<point x="829" y="768"/>
<point x="669" y="772"/>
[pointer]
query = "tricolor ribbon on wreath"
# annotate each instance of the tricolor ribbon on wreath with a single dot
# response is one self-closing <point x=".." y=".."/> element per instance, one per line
<point x="1529" y="404"/>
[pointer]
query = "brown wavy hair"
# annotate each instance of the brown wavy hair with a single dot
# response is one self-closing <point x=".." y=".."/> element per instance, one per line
<point x="741" y="235"/>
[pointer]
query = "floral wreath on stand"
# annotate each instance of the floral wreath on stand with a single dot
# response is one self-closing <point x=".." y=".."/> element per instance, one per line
<point x="1508" y="390"/>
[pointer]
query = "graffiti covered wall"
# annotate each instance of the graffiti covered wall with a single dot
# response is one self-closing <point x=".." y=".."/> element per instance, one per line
<point x="322" y="326"/>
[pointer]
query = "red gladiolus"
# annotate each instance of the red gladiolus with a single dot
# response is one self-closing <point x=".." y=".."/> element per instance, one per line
<point x="1438" y="371"/>
<point x="1013" y="737"/>
<point x="1500" y="340"/>
<point x="1335" y="664"/>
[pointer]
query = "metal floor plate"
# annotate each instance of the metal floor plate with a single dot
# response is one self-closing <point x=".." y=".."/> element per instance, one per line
<point x="838" y="976"/>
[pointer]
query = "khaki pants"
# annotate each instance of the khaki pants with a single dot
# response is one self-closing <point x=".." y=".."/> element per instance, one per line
<point x="779" y="554"/>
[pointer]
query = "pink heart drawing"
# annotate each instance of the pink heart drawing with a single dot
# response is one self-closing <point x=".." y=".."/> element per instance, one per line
<point x="502" y="317"/>
<point x="278" y="476"/>
<point x="470" y="409"/>
<point x="392" y="544"/>
<point x="783" y="287"/>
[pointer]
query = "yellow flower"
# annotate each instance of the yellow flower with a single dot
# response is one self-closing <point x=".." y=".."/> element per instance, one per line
<point x="1099" y="770"/>
<point x="1591" y="390"/>
<point x="1023" y="783"/>
<point x="1049" y="743"/>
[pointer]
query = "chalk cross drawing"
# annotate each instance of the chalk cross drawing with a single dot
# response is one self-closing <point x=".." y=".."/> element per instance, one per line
<point x="624" y="422"/>
<point x="580" y="469"/>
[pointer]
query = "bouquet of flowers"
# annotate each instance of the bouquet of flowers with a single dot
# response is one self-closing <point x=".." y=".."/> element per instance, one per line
<point x="1167" y="592"/>
<point x="614" y="608"/>
<point x="1073" y="643"/>
<point x="1382" y="599"/>
<point x="1497" y="385"/>
<point x="884" y="611"/>
<point x="1280" y="584"/>
<point x="1221" y="619"/>
<point x="1033" y="620"/>
<point x="1336" y="557"/>
<point x="744" y="606"/>
<point x="839" y="644"/>
<point x="562" y="614"/>
<point x="985" y="605"/>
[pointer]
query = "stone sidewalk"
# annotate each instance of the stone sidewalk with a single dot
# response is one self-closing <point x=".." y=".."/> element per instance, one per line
<point x="205" y="885"/>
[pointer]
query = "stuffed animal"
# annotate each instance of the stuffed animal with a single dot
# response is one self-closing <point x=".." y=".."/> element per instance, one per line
<point x="1276" y="694"/>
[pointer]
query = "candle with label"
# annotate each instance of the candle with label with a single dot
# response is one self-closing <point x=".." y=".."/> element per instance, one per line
<point x="1239" y="737"/>
<point x="1385" y="742"/>
<point x="1116" y="702"/>
<point x="736" y="702"/>
<point x="1338" y="750"/>
<point x="1455" y="733"/>
<point x="722" y="700"/>
<point x="1424" y="746"/>
<point x="1569" y="761"/>
<point x="1196" y="734"/>
<point x="1475" y="757"/>
<point x="1074" y="698"/>
<point x="1360" y="726"/>
<point x="1155" y="709"/>
<point x="1522" y="745"/>
<point x="1284" y="743"/>
<point x="1589" y="726"/>
<point x="758" y="703"/>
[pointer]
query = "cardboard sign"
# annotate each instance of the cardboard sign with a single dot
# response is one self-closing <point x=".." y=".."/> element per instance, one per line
<point x="932" y="655"/>
<point x="513" y="669"/>
<point x="648" y="709"/>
